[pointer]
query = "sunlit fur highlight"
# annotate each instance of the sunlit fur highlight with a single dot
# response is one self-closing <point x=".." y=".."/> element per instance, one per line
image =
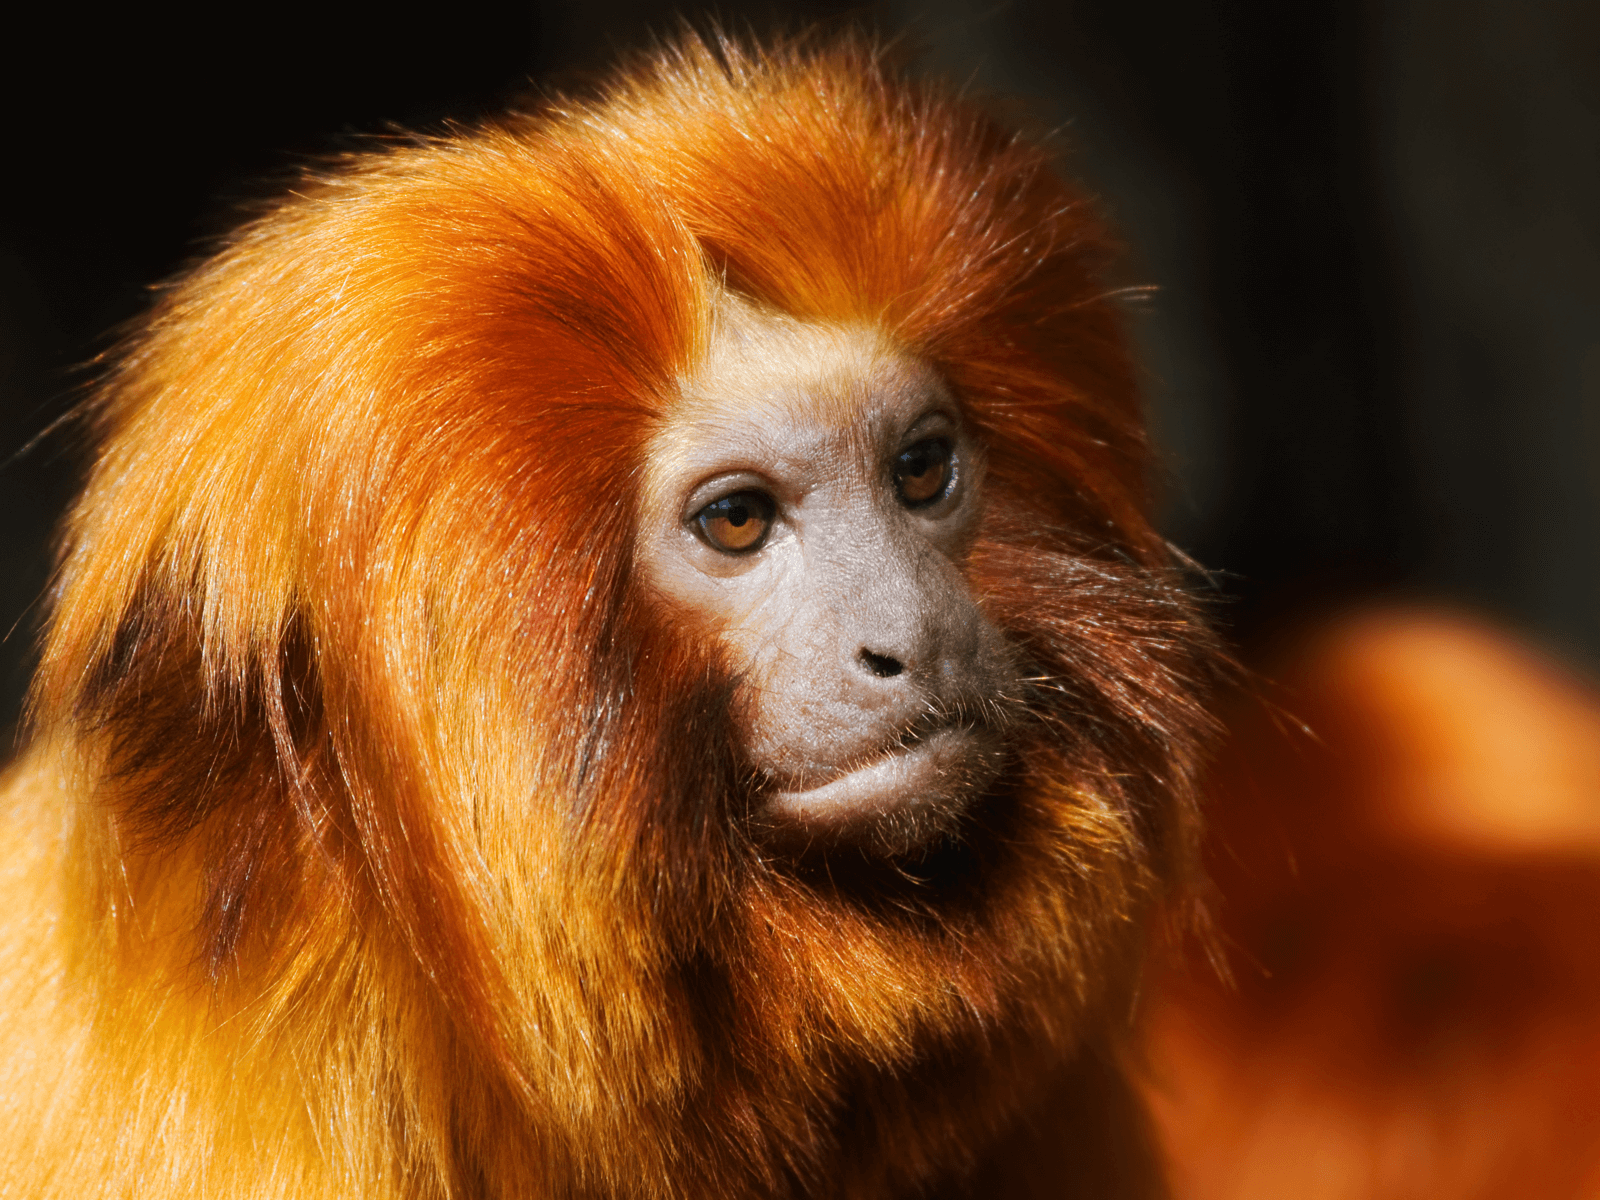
<point x="381" y="836"/>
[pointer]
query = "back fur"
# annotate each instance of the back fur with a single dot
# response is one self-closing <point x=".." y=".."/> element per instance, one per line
<point x="380" y="838"/>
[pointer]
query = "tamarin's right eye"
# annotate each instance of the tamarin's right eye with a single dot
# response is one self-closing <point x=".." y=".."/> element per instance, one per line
<point x="736" y="524"/>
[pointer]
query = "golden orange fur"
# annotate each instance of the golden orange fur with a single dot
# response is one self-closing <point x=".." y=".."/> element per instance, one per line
<point x="381" y="836"/>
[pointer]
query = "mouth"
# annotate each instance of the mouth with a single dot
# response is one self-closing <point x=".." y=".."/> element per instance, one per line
<point x="936" y="772"/>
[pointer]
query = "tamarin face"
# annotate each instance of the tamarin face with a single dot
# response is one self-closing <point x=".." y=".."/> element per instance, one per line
<point x="809" y="507"/>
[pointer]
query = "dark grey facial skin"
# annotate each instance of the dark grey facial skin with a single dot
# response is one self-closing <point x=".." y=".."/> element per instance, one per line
<point x="870" y="679"/>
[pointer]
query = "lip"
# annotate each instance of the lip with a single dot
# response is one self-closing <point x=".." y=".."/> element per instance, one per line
<point x="931" y="771"/>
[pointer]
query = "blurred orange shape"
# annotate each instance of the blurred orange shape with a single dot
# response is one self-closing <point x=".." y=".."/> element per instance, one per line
<point x="1409" y="903"/>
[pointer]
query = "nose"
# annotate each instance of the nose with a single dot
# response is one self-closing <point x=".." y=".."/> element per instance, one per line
<point x="908" y="626"/>
<point x="905" y="627"/>
<point x="884" y="666"/>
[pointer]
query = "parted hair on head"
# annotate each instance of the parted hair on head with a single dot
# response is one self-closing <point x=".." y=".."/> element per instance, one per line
<point x="390" y="834"/>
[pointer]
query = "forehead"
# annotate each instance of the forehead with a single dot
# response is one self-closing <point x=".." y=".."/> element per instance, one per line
<point x="766" y="376"/>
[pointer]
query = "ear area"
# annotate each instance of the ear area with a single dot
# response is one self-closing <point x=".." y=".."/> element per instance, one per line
<point x="227" y="772"/>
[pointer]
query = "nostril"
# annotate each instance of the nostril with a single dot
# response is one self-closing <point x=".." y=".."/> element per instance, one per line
<point x="881" y="665"/>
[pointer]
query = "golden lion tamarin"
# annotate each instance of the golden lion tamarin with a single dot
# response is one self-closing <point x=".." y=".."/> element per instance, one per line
<point x="615" y="654"/>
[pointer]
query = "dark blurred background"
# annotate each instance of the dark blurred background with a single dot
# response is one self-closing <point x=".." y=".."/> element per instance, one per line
<point x="1374" y="228"/>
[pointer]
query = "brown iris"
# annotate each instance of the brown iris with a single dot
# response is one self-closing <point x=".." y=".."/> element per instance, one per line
<point x="923" y="473"/>
<point x="736" y="524"/>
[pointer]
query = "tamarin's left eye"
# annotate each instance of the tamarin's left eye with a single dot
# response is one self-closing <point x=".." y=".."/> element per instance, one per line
<point x="923" y="474"/>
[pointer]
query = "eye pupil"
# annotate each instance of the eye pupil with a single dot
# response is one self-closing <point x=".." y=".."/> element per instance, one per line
<point x="736" y="524"/>
<point x="923" y="473"/>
